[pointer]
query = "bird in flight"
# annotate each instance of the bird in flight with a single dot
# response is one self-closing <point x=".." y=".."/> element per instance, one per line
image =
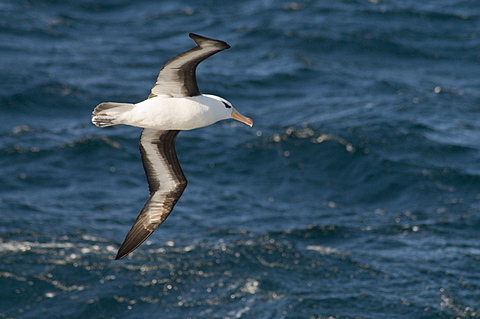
<point x="174" y="104"/>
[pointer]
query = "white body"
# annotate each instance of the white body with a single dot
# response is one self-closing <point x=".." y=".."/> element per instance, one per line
<point x="167" y="113"/>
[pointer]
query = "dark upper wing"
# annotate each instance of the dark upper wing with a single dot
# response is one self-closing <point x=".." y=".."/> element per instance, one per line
<point x="177" y="78"/>
<point x="166" y="183"/>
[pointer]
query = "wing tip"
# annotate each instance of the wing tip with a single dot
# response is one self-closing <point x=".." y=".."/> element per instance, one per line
<point x="199" y="38"/>
<point x="135" y="237"/>
<point x="120" y="255"/>
<point x="127" y="248"/>
<point x="124" y="251"/>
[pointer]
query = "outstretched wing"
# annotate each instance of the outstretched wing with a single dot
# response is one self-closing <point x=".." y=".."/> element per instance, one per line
<point x="177" y="78"/>
<point x="165" y="181"/>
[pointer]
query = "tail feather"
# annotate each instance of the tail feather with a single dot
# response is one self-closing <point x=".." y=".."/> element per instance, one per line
<point x="107" y="113"/>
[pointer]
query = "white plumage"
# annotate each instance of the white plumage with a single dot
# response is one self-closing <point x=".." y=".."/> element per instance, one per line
<point x="166" y="113"/>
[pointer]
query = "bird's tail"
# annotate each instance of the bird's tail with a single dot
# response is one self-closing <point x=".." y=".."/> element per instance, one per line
<point x="107" y="113"/>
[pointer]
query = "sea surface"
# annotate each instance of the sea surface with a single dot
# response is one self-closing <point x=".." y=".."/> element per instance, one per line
<point x="355" y="195"/>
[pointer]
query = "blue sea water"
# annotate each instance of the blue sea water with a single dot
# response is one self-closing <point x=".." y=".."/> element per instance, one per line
<point x="355" y="195"/>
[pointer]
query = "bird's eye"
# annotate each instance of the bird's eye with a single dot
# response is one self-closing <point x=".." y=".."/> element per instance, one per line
<point x="227" y="105"/>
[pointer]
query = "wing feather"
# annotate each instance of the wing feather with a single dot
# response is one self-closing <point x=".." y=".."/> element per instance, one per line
<point x="166" y="183"/>
<point x="178" y="77"/>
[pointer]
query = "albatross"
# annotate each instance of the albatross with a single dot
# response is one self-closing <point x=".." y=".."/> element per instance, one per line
<point x="174" y="104"/>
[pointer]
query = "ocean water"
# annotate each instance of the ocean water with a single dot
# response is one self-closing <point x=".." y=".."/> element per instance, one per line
<point x="355" y="195"/>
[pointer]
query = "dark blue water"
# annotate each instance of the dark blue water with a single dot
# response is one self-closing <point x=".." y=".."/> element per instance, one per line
<point x="355" y="195"/>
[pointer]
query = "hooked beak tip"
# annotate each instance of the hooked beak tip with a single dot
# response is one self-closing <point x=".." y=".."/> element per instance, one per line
<point x="239" y="117"/>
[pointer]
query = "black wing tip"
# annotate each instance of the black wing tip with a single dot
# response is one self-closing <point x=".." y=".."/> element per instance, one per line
<point x="124" y="251"/>
<point x="127" y="248"/>
<point x="198" y="38"/>
<point x="120" y="256"/>
<point x="135" y="238"/>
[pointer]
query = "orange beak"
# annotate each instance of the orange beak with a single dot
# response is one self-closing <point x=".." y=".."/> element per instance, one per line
<point x="239" y="117"/>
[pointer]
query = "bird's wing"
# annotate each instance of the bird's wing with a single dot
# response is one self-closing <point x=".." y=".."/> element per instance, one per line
<point x="165" y="181"/>
<point x="177" y="78"/>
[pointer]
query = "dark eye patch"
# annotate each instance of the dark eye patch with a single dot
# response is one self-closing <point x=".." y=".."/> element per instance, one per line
<point x="227" y="106"/>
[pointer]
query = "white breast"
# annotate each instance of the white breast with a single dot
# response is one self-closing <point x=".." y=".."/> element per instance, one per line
<point x="166" y="113"/>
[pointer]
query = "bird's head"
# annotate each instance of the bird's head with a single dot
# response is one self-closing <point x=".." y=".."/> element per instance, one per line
<point x="229" y="111"/>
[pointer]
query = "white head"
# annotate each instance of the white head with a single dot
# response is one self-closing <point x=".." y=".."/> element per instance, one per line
<point x="225" y="109"/>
